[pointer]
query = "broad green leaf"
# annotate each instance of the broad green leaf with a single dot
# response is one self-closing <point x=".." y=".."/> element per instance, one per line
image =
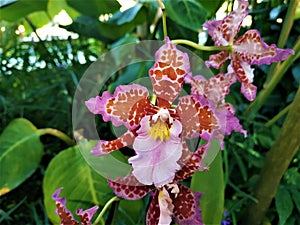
<point x="83" y="187"/>
<point x="54" y="7"/>
<point x="108" y="32"/>
<point x="211" y="183"/>
<point x="20" y="153"/>
<point x="211" y="5"/>
<point x="130" y="211"/>
<point x="21" y="9"/>
<point x="187" y="13"/>
<point x="38" y="19"/>
<point x="296" y="197"/>
<point x="127" y="16"/>
<point x="284" y="204"/>
<point x="94" y="8"/>
<point x="112" y="165"/>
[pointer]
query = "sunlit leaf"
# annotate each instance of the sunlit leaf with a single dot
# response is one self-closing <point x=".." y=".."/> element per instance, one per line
<point x="211" y="183"/>
<point x="55" y="7"/>
<point x="20" y="153"/>
<point x="83" y="187"/>
<point x="94" y="8"/>
<point x="21" y="9"/>
<point x="127" y="16"/>
<point x="187" y="13"/>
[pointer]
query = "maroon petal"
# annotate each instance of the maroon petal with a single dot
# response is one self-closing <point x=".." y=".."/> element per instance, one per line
<point x="129" y="187"/>
<point x="153" y="212"/>
<point x="186" y="207"/>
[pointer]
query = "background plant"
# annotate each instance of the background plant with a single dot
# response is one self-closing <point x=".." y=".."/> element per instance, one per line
<point x="39" y="76"/>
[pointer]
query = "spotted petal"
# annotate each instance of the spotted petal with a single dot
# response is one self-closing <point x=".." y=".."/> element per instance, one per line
<point x="251" y="49"/>
<point x="156" y="160"/>
<point x="232" y="123"/>
<point x="193" y="164"/>
<point x="66" y="217"/>
<point x="104" y="147"/>
<point x="244" y="74"/>
<point x="198" y="117"/>
<point x="126" y="106"/>
<point x="171" y="65"/>
<point x="153" y="212"/>
<point x="215" y="89"/>
<point x="217" y="60"/>
<point x="186" y="207"/>
<point x="223" y="32"/>
<point x="129" y="187"/>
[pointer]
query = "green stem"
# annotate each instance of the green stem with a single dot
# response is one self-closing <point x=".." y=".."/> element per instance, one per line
<point x="201" y="47"/>
<point x="278" y="74"/>
<point x="58" y="134"/>
<point x="277" y="161"/>
<point x="278" y="116"/>
<point x="164" y="17"/>
<point x="286" y="28"/>
<point x="99" y="218"/>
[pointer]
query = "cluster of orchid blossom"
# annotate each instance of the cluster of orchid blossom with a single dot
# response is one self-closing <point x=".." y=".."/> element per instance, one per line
<point x="158" y="131"/>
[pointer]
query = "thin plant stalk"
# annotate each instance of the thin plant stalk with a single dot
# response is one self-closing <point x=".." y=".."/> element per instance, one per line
<point x="278" y="116"/>
<point x="201" y="47"/>
<point x="285" y="31"/>
<point x="58" y="134"/>
<point x="164" y="17"/>
<point x="100" y="216"/>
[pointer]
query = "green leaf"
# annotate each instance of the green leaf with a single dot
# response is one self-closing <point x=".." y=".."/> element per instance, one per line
<point x="108" y="32"/>
<point x="127" y="16"/>
<point x="211" y="183"/>
<point x="54" y="7"/>
<point x="296" y="198"/>
<point x="94" y="8"/>
<point x="187" y="13"/>
<point x="211" y="5"/>
<point x="83" y="187"/>
<point x="284" y="204"/>
<point x="21" y="9"/>
<point x="130" y="211"/>
<point x="112" y="165"/>
<point x="20" y="153"/>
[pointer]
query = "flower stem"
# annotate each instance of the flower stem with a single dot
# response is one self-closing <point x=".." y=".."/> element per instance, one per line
<point x="164" y="17"/>
<point x="286" y="28"/>
<point x="100" y="216"/>
<point x="201" y="47"/>
<point x="57" y="133"/>
<point x="278" y="158"/>
<point x="278" y="116"/>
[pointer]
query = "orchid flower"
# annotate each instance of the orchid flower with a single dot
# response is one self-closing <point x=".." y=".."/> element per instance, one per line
<point x="172" y="201"/>
<point x="157" y="131"/>
<point x="247" y="50"/>
<point x="66" y="217"/>
<point x="216" y="89"/>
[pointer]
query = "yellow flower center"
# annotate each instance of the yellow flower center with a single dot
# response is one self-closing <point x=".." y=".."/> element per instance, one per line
<point x="160" y="130"/>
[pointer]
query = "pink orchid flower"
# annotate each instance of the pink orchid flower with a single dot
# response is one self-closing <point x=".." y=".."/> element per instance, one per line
<point x="66" y="217"/>
<point x="247" y="50"/>
<point x="157" y="131"/>
<point x="172" y="201"/>
<point x="216" y="89"/>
